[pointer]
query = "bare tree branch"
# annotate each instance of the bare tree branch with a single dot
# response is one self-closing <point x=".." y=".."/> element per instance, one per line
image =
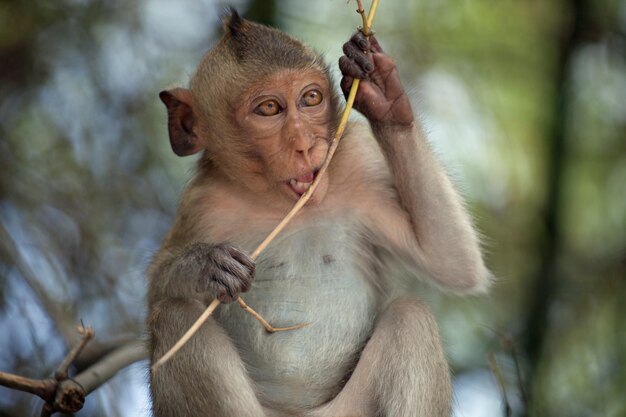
<point x="66" y="394"/>
<point x="108" y="366"/>
<point x="43" y="388"/>
<point x="86" y="335"/>
<point x="61" y="319"/>
<point x="98" y="349"/>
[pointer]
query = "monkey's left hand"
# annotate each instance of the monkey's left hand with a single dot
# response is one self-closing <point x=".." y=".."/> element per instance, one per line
<point x="381" y="97"/>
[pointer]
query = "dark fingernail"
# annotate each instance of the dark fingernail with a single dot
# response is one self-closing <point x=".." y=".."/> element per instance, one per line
<point x="362" y="43"/>
<point x="369" y="66"/>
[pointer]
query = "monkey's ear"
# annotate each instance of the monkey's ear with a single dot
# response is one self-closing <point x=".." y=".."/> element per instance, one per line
<point x="181" y="121"/>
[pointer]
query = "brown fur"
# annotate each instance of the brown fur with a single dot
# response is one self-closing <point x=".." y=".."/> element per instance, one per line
<point x="386" y="213"/>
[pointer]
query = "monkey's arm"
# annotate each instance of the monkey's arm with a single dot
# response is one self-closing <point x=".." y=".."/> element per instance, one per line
<point x="201" y="271"/>
<point x="445" y="244"/>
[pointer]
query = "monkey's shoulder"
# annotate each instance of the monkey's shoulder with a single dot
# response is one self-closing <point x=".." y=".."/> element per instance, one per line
<point x="362" y="182"/>
<point x="359" y="170"/>
<point x="358" y="156"/>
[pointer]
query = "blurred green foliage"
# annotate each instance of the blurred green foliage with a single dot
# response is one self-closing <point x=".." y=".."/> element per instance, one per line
<point x="525" y="101"/>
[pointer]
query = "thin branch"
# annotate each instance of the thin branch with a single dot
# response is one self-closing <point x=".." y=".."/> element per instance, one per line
<point x="296" y="208"/>
<point x="495" y="369"/>
<point x="370" y="16"/>
<point x="367" y="22"/>
<point x="97" y="349"/>
<point x="67" y="395"/>
<point x="59" y="393"/>
<point x="87" y="334"/>
<point x="108" y="366"/>
<point x="508" y="346"/>
<point x="43" y="388"/>
<point x="192" y="330"/>
<point x="268" y="327"/>
<point x="360" y="10"/>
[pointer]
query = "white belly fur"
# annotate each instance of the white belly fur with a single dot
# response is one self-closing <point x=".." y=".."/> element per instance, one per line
<point x="304" y="277"/>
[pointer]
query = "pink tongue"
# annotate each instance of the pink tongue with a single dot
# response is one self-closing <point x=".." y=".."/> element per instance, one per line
<point x="305" y="178"/>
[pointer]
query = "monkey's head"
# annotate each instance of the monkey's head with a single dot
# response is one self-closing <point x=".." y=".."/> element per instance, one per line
<point x="262" y="106"/>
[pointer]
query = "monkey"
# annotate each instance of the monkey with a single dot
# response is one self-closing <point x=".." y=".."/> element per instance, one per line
<point x="261" y="109"/>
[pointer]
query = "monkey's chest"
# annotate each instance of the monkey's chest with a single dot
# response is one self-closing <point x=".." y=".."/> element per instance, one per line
<point x="318" y="284"/>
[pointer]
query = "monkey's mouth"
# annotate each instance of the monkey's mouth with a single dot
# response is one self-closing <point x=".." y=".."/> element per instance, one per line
<point x="301" y="184"/>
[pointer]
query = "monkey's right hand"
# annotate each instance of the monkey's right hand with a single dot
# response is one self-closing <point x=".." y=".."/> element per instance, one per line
<point x="224" y="271"/>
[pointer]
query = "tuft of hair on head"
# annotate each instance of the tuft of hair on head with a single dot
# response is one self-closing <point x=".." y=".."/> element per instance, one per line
<point x="232" y="22"/>
<point x="263" y="47"/>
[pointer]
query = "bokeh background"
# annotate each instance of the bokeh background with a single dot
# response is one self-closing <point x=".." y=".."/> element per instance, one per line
<point x="524" y="101"/>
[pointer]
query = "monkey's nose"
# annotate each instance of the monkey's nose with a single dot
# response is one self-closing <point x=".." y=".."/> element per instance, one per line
<point x="305" y="149"/>
<point x="305" y="155"/>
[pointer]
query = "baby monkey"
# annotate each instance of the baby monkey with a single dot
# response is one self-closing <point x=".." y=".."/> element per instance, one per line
<point x="262" y="109"/>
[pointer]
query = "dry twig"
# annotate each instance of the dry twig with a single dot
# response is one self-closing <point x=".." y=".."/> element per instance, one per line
<point x="60" y="393"/>
<point x="495" y="369"/>
<point x="367" y="24"/>
<point x="509" y="346"/>
<point x="67" y="395"/>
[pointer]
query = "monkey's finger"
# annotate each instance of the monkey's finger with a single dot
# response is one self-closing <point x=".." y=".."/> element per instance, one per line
<point x="364" y="62"/>
<point x="360" y="40"/>
<point x="221" y="289"/>
<point x="374" y="45"/>
<point x="362" y="59"/>
<point x="390" y="78"/>
<point x="351" y="50"/>
<point x="383" y="62"/>
<point x="227" y="286"/>
<point x="366" y="43"/>
<point x="346" y="84"/>
<point x="225" y="296"/>
<point x="242" y="281"/>
<point x="240" y="275"/>
<point x="243" y="259"/>
<point x="240" y="278"/>
<point x="350" y="68"/>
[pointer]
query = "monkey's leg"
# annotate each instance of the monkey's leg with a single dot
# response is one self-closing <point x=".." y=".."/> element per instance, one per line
<point x="206" y="378"/>
<point x="402" y="371"/>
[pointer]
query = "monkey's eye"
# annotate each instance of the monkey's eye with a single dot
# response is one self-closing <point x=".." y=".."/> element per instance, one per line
<point x="268" y="108"/>
<point x="312" y="98"/>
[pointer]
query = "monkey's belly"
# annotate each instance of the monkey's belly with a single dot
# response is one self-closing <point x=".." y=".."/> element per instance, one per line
<point x="304" y="367"/>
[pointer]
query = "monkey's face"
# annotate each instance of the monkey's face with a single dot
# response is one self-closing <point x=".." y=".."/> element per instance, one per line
<point x="286" y="121"/>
